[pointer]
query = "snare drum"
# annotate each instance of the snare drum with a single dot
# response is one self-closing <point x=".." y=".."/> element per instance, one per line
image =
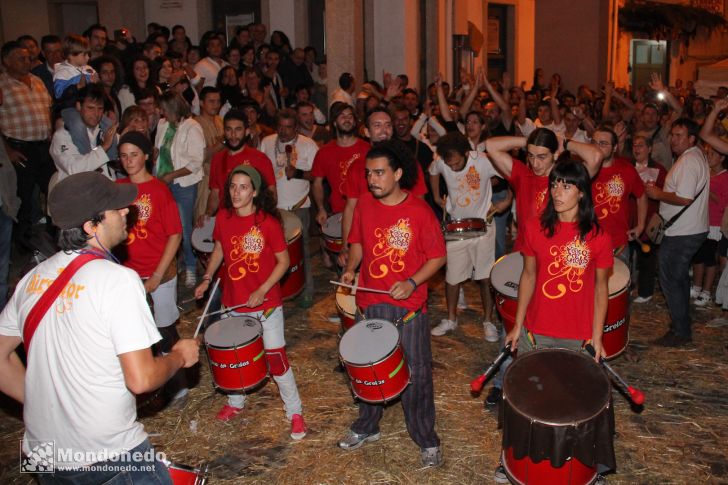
<point x="202" y="241"/>
<point x="236" y="354"/>
<point x="346" y="304"/>
<point x="331" y="232"/>
<point x="557" y="419"/>
<point x="293" y="281"/>
<point x="616" y="326"/>
<point x="459" y="229"/>
<point x="372" y="356"/>
<point x="505" y="278"/>
<point x="186" y="475"/>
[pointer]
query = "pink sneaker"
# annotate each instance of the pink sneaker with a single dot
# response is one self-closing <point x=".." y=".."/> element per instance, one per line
<point x="228" y="412"/>
<point x="298" y="427"/>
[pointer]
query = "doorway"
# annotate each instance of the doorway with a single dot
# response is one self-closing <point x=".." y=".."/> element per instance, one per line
<point x="646" y="57"/>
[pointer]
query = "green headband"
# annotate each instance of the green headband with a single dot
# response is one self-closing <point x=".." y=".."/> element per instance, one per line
<point x="250" y="172"/>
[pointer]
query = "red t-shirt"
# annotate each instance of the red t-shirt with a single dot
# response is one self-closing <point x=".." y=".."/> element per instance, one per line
<point x="249" y="245"/>
<point x="356" y="181"/>
<point x="332" y="162"/>
<point x="611" y="190"/>
<point x="396" y="241"/>
<point x="532" y="193"/>
<point x="223" y="163"/>
<point x="157" y="218"/>
<point x="562" y="304"/>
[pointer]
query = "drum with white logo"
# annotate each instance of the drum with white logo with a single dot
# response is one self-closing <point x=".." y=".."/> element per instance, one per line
<point x="236" y="354"/>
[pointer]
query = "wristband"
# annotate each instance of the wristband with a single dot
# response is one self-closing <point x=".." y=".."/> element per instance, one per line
<point x="207" y="278"/>
<point x="298" y="174"/>
<point x="566" y="143"/>
<point x="412" y="282"/>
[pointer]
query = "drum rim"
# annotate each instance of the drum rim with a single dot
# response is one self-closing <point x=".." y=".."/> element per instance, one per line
<point x="242" y="344"/>
<point x="245" y="388"/>
<point x="620" y="263"/>
<point x="495" y="265"/>
<point x="464" y="219"/>
<point x="532" y="419"/>
<point x="332" y="218"/>
<point x="370" y="364"/>
<point x="397" y="345"/>
<point x="343" y="310"/>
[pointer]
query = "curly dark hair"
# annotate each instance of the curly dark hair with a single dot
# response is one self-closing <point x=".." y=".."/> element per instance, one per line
<point x="399" y="156"/>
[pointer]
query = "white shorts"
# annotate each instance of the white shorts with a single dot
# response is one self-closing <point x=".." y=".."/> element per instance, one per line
<point x="165" y="303"/>
<point x="470" y="258"/>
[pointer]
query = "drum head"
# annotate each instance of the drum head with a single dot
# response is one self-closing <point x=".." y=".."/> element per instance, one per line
<point x="619" y="279"/>
<point x="368" y="341"/>
<point x="202" y="237"/>
<point x="332" y="227"/>
<point x="556" y="386"/>
<point x="346" y="298"/>
<point x="506" y="274"/>
<point x="233" y="331"/>
<point x="292" y="227"/>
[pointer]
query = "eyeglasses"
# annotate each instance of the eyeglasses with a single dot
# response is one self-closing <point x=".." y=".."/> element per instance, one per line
<point x="602" y="144"/>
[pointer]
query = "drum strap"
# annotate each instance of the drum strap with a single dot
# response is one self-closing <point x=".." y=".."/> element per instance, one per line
<point x="36" y="314"/>
<point x="619" y="250"/>
<point x="266" y="314"/>
<point x="407" y="317"/>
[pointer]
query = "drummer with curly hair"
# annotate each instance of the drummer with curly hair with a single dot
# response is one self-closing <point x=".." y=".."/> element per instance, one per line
<point x="467" y="175"/>
<point x="249" y="236"/>
<point x="397" y="239"/>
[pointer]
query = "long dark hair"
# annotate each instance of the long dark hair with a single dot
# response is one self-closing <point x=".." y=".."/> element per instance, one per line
<point x="575" y="173"/>
<point x="263" y="201"/>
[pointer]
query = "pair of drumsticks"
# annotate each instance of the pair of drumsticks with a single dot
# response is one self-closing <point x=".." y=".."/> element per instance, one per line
<point x="635" y="394"/>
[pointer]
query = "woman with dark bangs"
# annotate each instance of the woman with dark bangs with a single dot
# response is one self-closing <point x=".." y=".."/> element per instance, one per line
<point x="563" y="291"/>
<point x="249" y="237"/>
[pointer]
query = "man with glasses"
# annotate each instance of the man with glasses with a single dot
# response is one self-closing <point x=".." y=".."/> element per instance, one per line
<point x="611" y="189"/>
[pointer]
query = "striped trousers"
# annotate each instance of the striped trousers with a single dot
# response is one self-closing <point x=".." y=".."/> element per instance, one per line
<point x="418" y="400"/>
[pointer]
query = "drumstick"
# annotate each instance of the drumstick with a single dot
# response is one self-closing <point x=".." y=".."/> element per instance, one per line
<point x="207" y="306"/>
<point x="636" y="395"/>
<point x="477" y="384"/>
<point x="373" y="290"/>
<point x="230" y="308"/>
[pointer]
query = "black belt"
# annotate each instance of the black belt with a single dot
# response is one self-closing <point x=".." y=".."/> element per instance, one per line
<point x="14" y="141"/>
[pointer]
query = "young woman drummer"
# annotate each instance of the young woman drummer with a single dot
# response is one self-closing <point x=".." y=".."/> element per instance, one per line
<point x="563" y="290"/>
<point x="249" y="237"/>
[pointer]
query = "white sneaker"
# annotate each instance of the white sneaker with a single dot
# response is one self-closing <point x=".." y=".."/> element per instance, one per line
<point x="695" y="292"/>
<point x="491" y="333"/>
<point x="642" y="299"/>
<point x="190" y="279"/>
<point x="703" y="299"/>
<point x="443" y="327"/>
<point x="462" y="304"/>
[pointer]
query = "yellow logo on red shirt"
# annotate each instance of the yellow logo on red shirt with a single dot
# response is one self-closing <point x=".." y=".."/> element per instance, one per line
<point x="540" y="198"/>
<point x="608" y="196"/>
<point x="390" y="250"/>
<point x="245" y="253"/>
<point x="567" y="268"/>
<point x="144" y="212"/>
<point x="468" y="188"/>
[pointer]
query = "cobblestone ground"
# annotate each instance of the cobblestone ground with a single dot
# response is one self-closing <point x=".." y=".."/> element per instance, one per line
<point x="679" y="436"/>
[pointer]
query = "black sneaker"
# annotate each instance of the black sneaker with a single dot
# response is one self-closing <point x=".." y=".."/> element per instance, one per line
<point x="494" y="397"/>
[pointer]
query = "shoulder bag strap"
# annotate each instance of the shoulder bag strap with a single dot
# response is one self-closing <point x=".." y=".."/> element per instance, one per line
<point x="39" y="310"/>
<point x="676" y="216"/>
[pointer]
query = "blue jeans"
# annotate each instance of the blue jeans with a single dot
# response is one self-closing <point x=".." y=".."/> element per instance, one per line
<point x="501" y="225"/>
<point x="186" y="197"/>
<point x="6" y="233"/>
<point x="134" y="472"/>
<point x="676" y="253"/>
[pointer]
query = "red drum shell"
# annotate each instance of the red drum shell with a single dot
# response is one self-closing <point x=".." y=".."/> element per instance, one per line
<point x="546" y="414"/>
<point x="331" y="233"/>
<point x="186" y="475"/>
<point x="294" y="280"/>
<point x="383" y="378"/>
<point x="237" y="356"/>
<point x="459" y="229"/>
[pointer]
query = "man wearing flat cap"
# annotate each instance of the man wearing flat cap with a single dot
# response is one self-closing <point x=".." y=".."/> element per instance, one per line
<point x="88" y="342"/>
